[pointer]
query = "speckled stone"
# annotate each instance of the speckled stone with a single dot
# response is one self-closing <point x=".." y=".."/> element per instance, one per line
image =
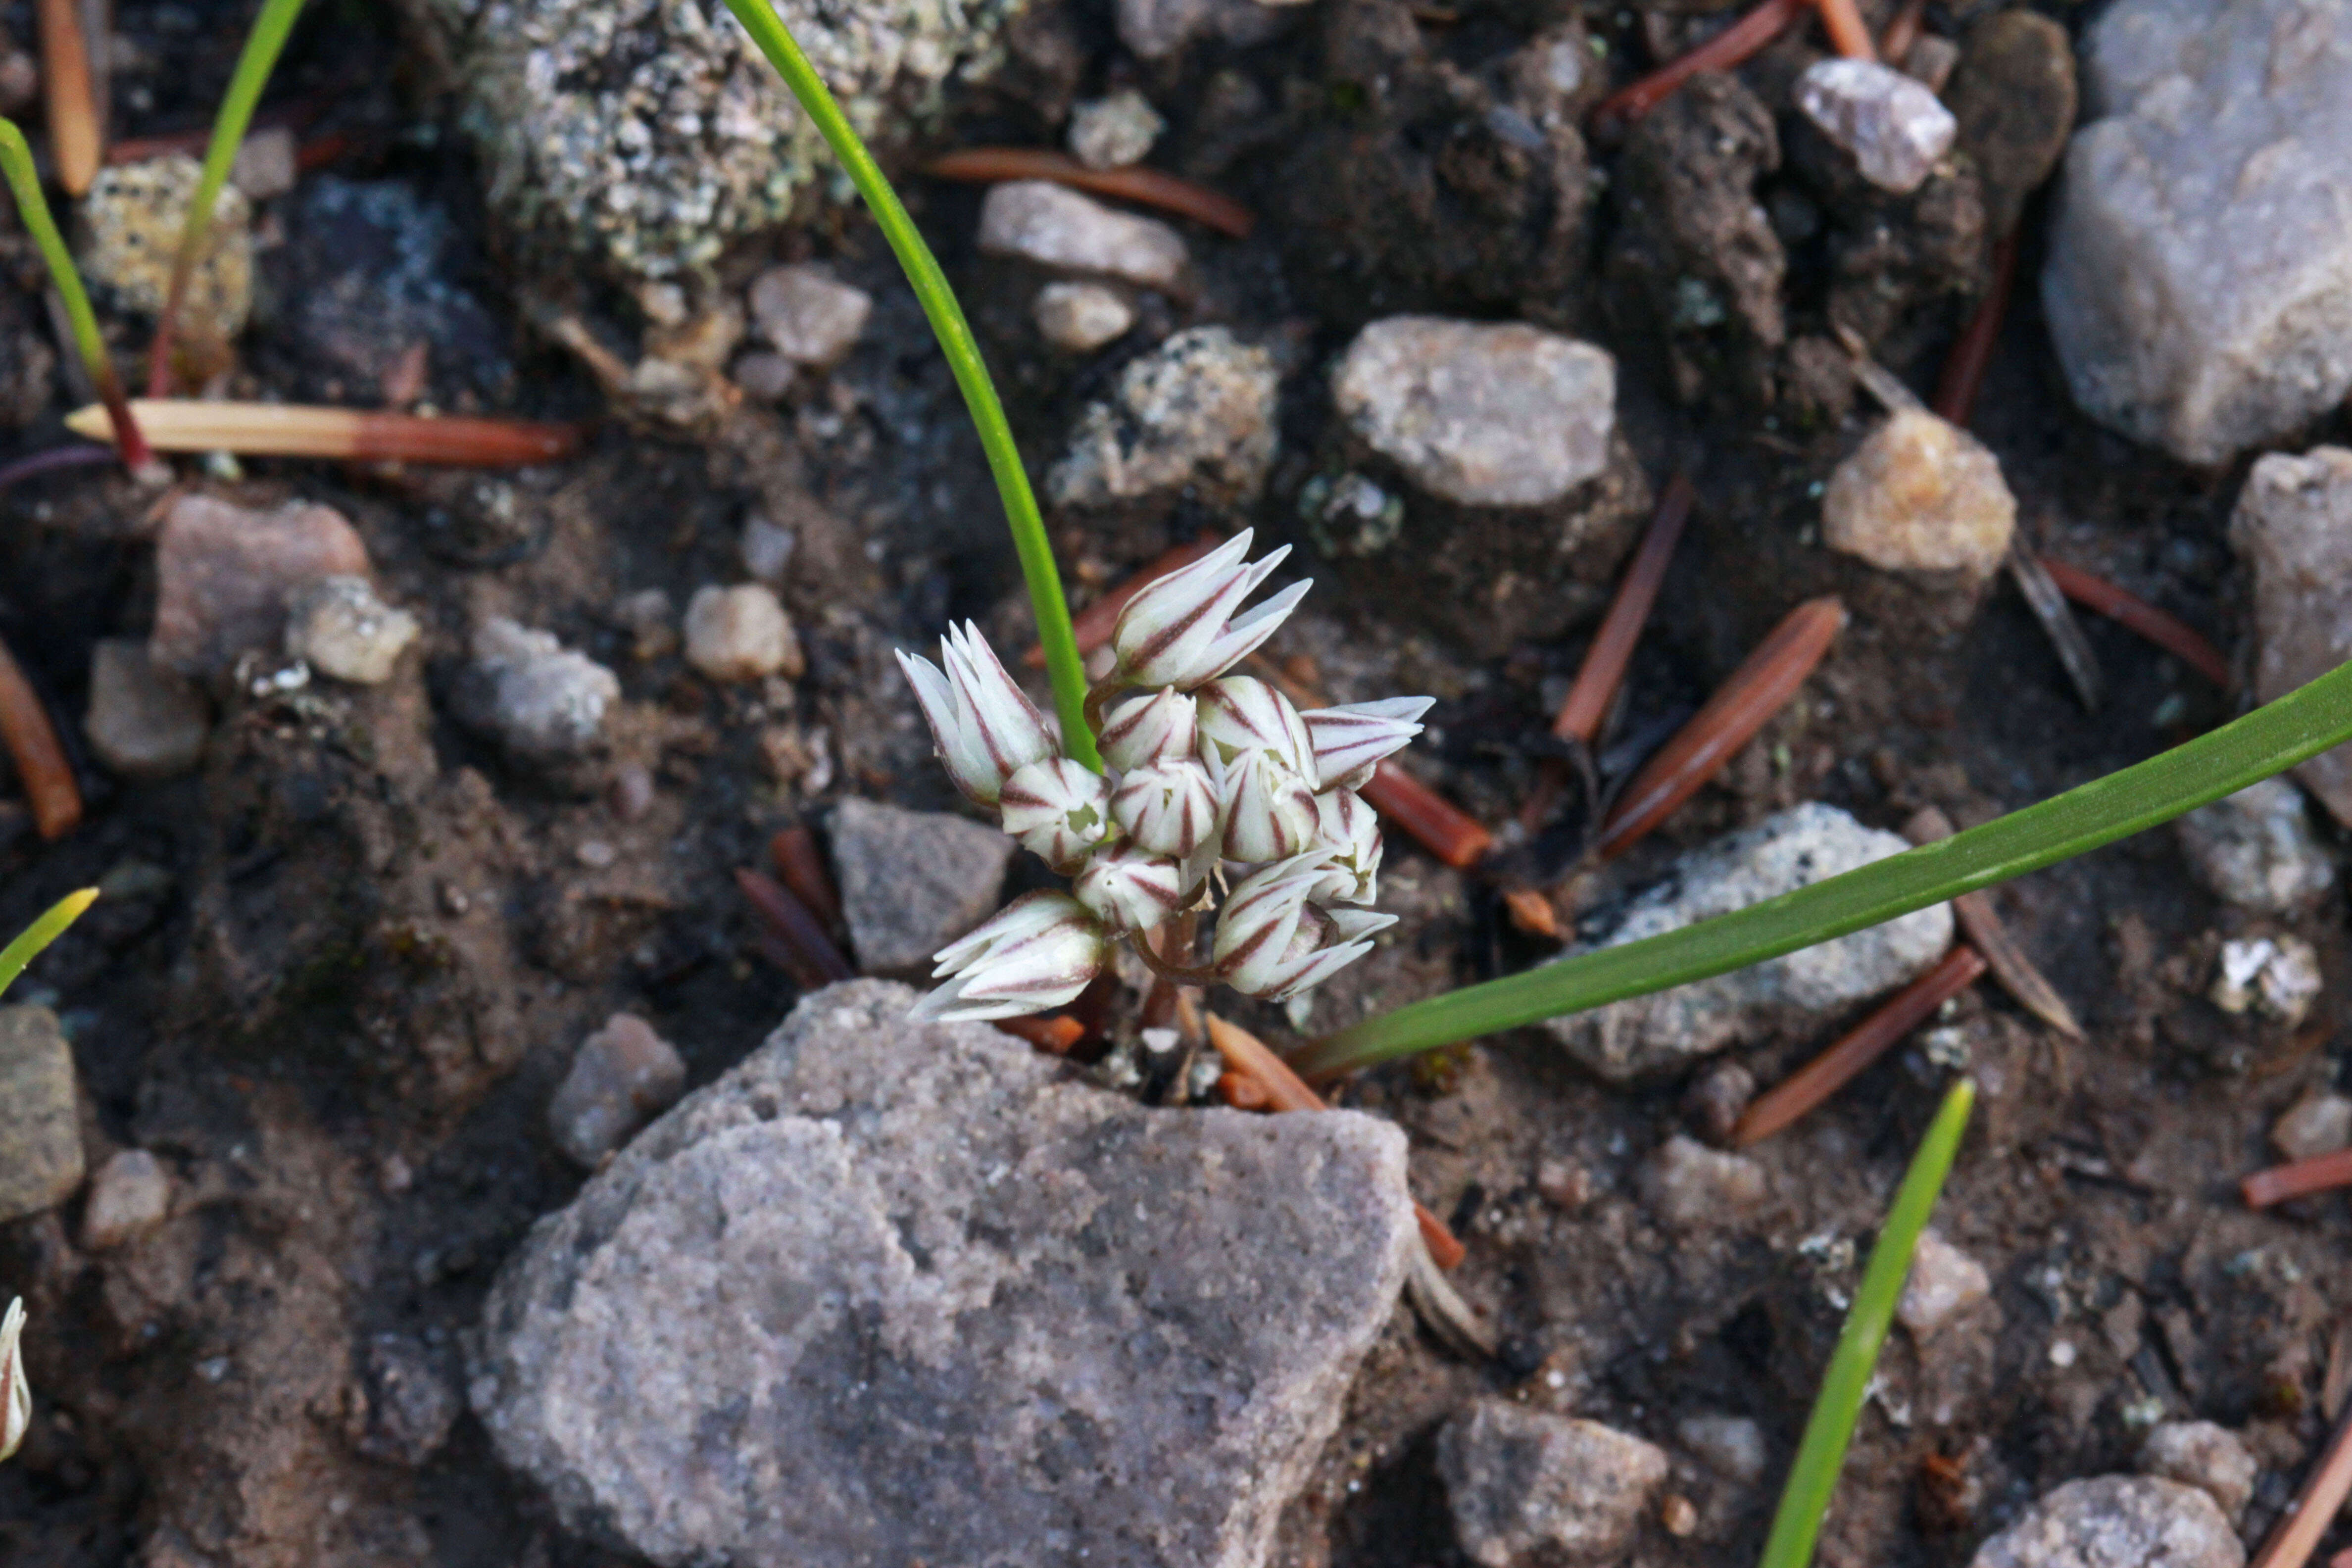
<point x="2114" y="1521"/>
<point x="913" y="881"/>
<point x="40" y="1129"/>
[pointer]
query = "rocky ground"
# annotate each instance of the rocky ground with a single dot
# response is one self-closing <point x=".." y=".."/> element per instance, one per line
<point x="419" y="1157"/>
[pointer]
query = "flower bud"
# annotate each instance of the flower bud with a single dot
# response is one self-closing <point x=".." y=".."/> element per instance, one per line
<point x="1350" y="740"/>
<point x="1146" y="730"/>
<point x="15" y="1397"/>
<point x="985" y="728"/>
<point x="1347" y="833"/>
<point x="1181" y="629"/>
<point x="1240" y="714"/>
<point x="1038" y="952"/>
<point x="1132" y="889"/>
<point x="1058" y="808"/>
<point x="1272" y="943"/>
<point x="1268" y="810"/>
<point x="1168" y="808"/>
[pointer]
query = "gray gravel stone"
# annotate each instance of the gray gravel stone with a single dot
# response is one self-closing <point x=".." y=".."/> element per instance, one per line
<point x="1195" y="415"/>
<point x="1526" y="1486"/>
<point x="40" y="1131"/>
<point x="1113" y="131"/>
<point x="740" y="634"/>
<point x="144" y="721"/>
<point x="222" y="573"/>
<point x="913" y="881"/>
<point x="338" y="626"/>
<point x="891" y="1293"/>
<point x="541" y="700"/>
<point x="807" y="314"/>
<point x="2200" y="1453"/>
<point x="1894" y="126"/>
<point x="128" y="1195"/>
<point x="2199" y="281"/>
<point x="1690" y="1186"/>
<point x="2256" y="848"/>
<point x="1081" y="317"/>
<point x="2315" y="1124"/>
<point x="622" y="1077"/>
<point x="1053" y="226"/>
<point x="1944" y="1282"/>
<point x="1480" y="413"/>
<point x="2293" y="526"/>
<point x="2117" y="1522"/>
<point x="1655" y="1034"/>
<point x="1732" y="1447"/>
<point x="1921" y="495"/>
<point x="412" y="1399"/>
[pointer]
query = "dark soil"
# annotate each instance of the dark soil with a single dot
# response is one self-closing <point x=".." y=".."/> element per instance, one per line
<point x="342" y="967"/>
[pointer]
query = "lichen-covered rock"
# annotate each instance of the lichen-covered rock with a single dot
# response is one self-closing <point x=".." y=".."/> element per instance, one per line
<point x="1921" y="495"/>
<point x="913" y="881"/>
<point x="2114" y="1520"/>
<point x="2256" y="848"/>
<point x="1649" y="1034"/>
<point x="892" y="1293"/>
<point x="2293" y="525"/>
<point x="135" y="212"/>
<point x="650" y="135"/>
<point x="2200" y="282"/>
<point x="1112" y="131"/>
<point x="1527" y="1487"/>
<point x="1195" y="415"/>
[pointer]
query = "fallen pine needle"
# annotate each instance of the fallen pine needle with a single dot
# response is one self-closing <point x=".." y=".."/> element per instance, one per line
<point x="2297" y="1535"/>
<point x="1093" y="625"/>
<point x="2168" y="632"/>
<point x="1964" y="368"/>
<point x="1895" y="44"/>
<point x="1603" y="672"/>
<point x="1149" y="186"/>
<point x="1436" y="823"/>
<point x="1757" y="690"/>
<point x="801" y="866"/>
<point x="1795" y="1096"/>
<point x="1849" y="34"/>
<point x="1250" y="1057"/>
<point x="1726" y="49"/>
<point x="76" y="141"/>
<point x="1985" y="930"/>
<point x="287" y="430"/>
<point x="2048" y="602"/>
<point x="2298" y="1180"/>
<point x="33" y="746"/>
<point x="801" y="948"/>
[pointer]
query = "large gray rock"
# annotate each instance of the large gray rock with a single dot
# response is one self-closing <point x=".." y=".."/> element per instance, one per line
<point x="2117" y="1521"/>
<point x="1527" y="1487"/>
<point x="40" y="1129"/>
<point x="2293" y="525"/>
<point x="1658" y="1033"/>
<point x="898" y="1293"/>
<point x="913" y="881"/>
<point x="2200" y="282"/>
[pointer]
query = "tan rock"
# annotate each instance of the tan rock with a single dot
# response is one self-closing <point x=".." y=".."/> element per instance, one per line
<point x="1921" y="495"/>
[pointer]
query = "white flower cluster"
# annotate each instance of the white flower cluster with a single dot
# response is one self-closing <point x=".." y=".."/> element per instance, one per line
<point x="1208" y="773"/>
<point x="16" y="1398"/>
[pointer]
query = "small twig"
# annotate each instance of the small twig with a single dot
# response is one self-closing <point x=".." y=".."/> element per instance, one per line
<point x="76" y="141"/>
<point x="1794" y="1096"/>
<point x="1728" y="48"/>
<point x="1093" y="625"/>
<point x="2048" y="602"/>
<point x="800" y="864"/>
<point x="1436" y="824"/>
<point x="40" y="758"/>
<point x="1849" y="34"/>
<point x="1150" y="186"/>
<point x="2168" y="632"/>
<point x="2299" y="1179"/>
<point x="1757" y="691"/>
<point x="1982" y="924"/>
<point x="2299" y="1530"/>
<point x="1895" y="44"/>
<point x="287" y="430"/>
<point x="1603" y="670"/>
<point x="802" y="948"/>
<point x="1439" y="1305"/>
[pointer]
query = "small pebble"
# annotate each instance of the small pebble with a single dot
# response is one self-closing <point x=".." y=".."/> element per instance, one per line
<point x="1194" y="417"/>
<point x="808" y="315"/>
<point x="632" y="791"/>
<point x="1526" y="1485"/>
<point x="1731" y="1446"/>
<point x="2277" y="976"/>
<point x="1691" y="1186"/>
<point x="740" y="634"/>
<point x="597" y="855"/>
<point x="2114" y="1520"/>
<point x="128" y="1195"/>
<point x="622" y="1078"/>
<point x="1079" y="318"/>
<point x="40" y="1127"/>
<point x="1115" y="131"/>
<point x="763" y="376"/>
<point x="2315" y="1125"/>
<point x="144" y="721"/>
<point x="1037" y="221"/>
<point x="1893" y="125"/>
<point x="1564" y="1184"/>
<point x="222" y="573"/>
<point x="1678" y="1514"/>
<point x="1718" y="1098"/>
<point x="338" y="626"/>
<point x="265" y="166"/>
<point x="2200" y="1453"/>
<point x="652" y="622"/>
<point x="2256" y="849"/>
<point x="1944" y="1282"/>
<point x="1921" y="495"/>
<point x="1931" y="62"/>
<point x="543" y="701"/>
<point x="767" y="549"/>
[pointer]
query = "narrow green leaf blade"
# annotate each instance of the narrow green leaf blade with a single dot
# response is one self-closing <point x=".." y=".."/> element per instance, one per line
<point x="41" y="932"/>
<point x="1821" y="1454"/>
<point x="2268" y="740"/>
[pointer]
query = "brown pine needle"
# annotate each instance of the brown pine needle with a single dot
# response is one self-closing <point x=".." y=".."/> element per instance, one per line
<point x="1849" y="34"/>
<point x="1149" y="186"/>
<point x="1895" y="44"/>
<point x="801" y="865"/>
<point x="2298" y="1531"/>
<point x="76" y="141"/>
<point x="1964" y="368"/>
<point x="1982" y="924"/>
<point x="2298" y="1180"/>
<point x="2048" y="602"/>
<point x="1603" y="670"/>
<point x="1054" y="1034"/>
<point x="1094" y="624"/>
<point x="1726" y="49"/>
<point x="798" y="943"/>
<point x="1757" y="690"/>
<point x="1433" y="822"/>
<point x="1250" y="1057"/>
<point x="1782" y="1105"/>
<point x="33" y="746"/>
<point x="286" y="430"/>
<point x="2168" y="632"/>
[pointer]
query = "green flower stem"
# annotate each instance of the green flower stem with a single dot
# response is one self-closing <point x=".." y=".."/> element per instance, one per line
<point x="1821" y="1454"/>
<point x="41" y="932"/>
<point x="254" y="63"/>
<point x="1061" y="644"/>
<point x="25" y="182"/>
<point x="2268" y="740"/>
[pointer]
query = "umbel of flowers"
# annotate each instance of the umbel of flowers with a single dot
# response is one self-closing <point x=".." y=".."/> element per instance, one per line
<point x="1214" y="781"/>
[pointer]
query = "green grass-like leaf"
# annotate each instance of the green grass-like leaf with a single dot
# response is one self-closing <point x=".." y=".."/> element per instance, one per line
<point x="1821" y="1454"/>
<point x="938" y="300"/>
<point x="41" y="932"/>
<point x="2268" y="740"/>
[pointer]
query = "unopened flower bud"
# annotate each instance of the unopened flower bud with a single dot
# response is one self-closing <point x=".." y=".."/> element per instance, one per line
<point x="1038" y="952"/>
<point x="1240" y="714"/>
<point x="1181" y="630"/>
<point x="1350" y="740"/>
<point x="986" y="729"/>
<point x="1272" y="943"/>
<point x="1168" y="808"/>
<point x="1145" y="729"/>
<point x="1058" y="808"/>
<point x="1132" y="889"/>
<point x="1348" y="832"/>
<point x="15" y="1397"/>
<point x="1268" y="810"/>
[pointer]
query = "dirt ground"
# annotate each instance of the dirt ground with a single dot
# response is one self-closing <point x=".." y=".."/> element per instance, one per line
<point x="342" y="967"/>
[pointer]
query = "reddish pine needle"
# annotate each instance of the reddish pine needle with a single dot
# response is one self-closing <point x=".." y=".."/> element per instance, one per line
<point x="1792" y="1098"/>
<point x="1982" y="925"/>
<point x="800" y="945"/>
<point x="1964" y="368"/>
<point x="33" y="746"/>
<point x="1849" y="34"/>
<point x="1094" y="624"/>
<point x="1757" y="690"/>
<point x="2174" y="636"/>
<point x="76" y="141"/>
<point x="2298" y="1531"/>
<point x="1434" y="822"/>
<point x="2298" y="1180"/>
<point x="1604" y="670"/>
<point x="1895" y="44"/>
<point x="800" y="864"/>
<point x="1726" y="49"/>
<point x="1054" y="1034"/>
<point x="1149" y="186"/>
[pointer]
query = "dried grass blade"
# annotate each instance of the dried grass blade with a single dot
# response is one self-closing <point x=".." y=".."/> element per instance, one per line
<point x="808" y="954"/>
<point x="1726" y="49"/>
<point x="800" y="864"/>
<point x="2048" y="602"/>
<point x="1983" y="926"/>
<point x="1964" y="368"/>
<point x="33" y="746"/>
<point x="1603" y="672"/>
<point x="1895" y="44"/>
<point x="353" y="434"/>
<point x="1055" y="1034"/>
<point x="2168" y="632"/>
<point x="1150" y="187"/>
<point x="1849" y="34"/>
<point x="2298" y="1531"/>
